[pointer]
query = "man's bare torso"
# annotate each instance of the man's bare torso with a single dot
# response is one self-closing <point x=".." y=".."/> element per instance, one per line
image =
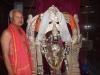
<point x="24" y="42"/>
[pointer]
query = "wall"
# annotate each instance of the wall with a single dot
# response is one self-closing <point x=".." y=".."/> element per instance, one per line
<point x="90" y="16"/>
<point x="93" y="56"/>
<point x="5" y="7"/>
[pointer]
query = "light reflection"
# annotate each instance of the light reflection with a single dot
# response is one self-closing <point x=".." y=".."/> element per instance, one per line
<point x="87" y="27"/>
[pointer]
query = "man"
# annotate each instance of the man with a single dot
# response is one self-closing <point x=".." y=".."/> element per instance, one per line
<point x="15" y="46"/>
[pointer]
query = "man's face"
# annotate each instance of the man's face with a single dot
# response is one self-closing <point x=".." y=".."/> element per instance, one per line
<point x="17" y="18"/>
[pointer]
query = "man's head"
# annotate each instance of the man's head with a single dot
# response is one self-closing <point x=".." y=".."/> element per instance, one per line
<point x="16" y="17"/>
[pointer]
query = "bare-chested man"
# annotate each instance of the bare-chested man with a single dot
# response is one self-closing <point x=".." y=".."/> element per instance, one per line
<point x="15" y="47"/>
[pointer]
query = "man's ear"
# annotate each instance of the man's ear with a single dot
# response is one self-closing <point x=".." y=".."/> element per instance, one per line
<point x="10" y="19"/>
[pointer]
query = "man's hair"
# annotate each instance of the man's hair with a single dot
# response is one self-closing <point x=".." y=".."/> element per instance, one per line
<point x="11" y="12"/>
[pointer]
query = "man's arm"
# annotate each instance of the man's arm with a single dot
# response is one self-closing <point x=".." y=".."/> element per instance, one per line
<point x="5" y="44"/>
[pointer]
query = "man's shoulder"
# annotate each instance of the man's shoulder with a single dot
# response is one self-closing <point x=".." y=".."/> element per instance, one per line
<point x="6" y="33"/>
